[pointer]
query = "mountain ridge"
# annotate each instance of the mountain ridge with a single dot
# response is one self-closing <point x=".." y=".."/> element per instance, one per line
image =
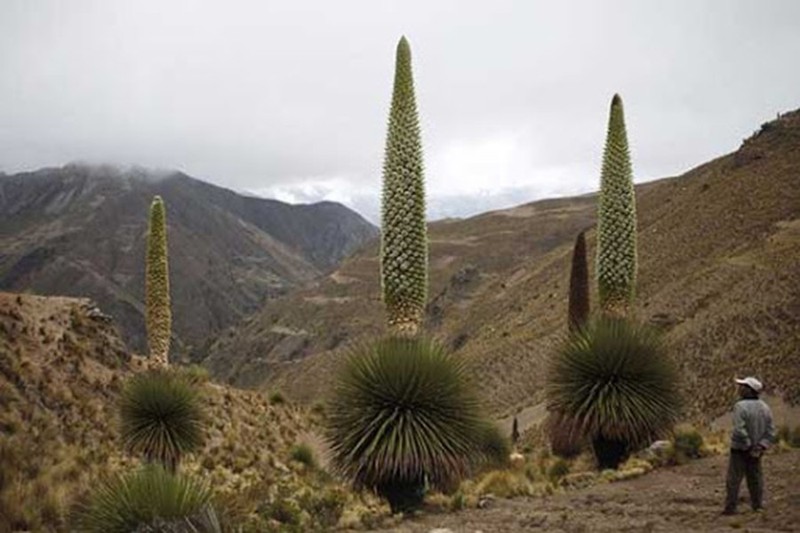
<point x="80" y="230"/>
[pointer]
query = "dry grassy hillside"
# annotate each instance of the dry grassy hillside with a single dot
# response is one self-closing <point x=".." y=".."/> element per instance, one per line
<point x="62" y="366"/>
<point x="719" y="271"/>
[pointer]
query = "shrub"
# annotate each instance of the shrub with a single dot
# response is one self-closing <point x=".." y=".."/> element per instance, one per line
<point x="195" y="374"/>
<point x="615" y="380"/>
<point x="403" y="412"/>
<point x="161" y="417"/>
<point x="688" y="443"/>
<point x="505" y="484"/>
<point x="325" y="506"/>
<point x="495" y="446"/>
<point x="558" y="469"/>
<point x="276" y="398"/>
<point x="151" y="499"/>
<point x="302" y="453"/>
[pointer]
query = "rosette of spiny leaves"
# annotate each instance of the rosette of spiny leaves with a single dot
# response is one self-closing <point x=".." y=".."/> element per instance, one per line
<point x="158" y="316"/>
<point x="614" y="383"/>
<point x="616" y="220"/>
<point x="162" y="417"/>
<point x="404" y="244"/>
<point x="150" y="499"/>
<point x="403" y="411"/>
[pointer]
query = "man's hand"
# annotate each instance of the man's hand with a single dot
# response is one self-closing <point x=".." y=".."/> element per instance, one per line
<point x="756" y="451"/>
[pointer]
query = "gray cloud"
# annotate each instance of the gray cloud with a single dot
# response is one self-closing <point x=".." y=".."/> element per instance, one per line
<point x="290" y="99"/>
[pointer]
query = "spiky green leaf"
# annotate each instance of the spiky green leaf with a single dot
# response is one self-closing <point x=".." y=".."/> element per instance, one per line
<point x="404" y="409"/>
<point x="615" y="381"/>
<point x="162" y="418"/>
<point x="150" y="499"/>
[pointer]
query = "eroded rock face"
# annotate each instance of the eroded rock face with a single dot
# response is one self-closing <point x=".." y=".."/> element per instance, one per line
<point x="80" y="230"/>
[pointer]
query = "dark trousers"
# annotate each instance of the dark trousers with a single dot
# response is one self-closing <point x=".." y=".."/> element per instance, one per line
<point x="742" y="464"/>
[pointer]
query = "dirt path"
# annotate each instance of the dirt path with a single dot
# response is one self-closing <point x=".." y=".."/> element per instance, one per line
<point x="681" y="499"/>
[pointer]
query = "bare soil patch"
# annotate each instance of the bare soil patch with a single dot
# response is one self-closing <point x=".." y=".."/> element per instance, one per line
<point x="679" y="499"/>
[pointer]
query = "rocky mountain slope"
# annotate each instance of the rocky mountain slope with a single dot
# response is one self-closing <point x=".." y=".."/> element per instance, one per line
<point x="719" y="252"/>
<point x="80" y="231"/>
<point x="62" y="367"/>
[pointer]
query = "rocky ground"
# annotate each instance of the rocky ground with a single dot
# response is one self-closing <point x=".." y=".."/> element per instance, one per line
<point x="679" y="499"/>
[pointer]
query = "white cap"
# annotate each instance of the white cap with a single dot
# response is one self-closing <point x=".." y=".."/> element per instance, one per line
<point x="751" y="382"/>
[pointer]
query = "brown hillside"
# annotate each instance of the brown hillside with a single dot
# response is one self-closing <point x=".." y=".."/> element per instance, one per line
<point x="719" y="270"/>
<point x="62" y="366"/>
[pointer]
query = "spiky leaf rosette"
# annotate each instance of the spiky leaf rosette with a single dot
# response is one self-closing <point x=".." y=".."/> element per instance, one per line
<point x="579" y="285"/>
<point x="162" y="418"/>
<point x="616" y="382"/>
<point x="616" y="219"/>
<point x="404" y="243"/>
<point x="404" y="410"/>
<point x="150" y="499"/>
<point x="158" y="314"/>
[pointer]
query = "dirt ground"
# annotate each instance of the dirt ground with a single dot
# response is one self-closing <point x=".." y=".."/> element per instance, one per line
<point x="681" y="499"/>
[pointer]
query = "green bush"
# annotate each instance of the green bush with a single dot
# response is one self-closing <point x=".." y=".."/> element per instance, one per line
<point x="276" y="398"/>
<point x="302" y="453"/>
<point x="495" y="446"/>
<point x="688" y="443"/>
<point x="325" y="506"/>
<point x="195" y="374"/>
<point x="162" y="418"/>
<point x="616" y="382"/>
<point x="558" y="469"/>
<point x="151" y="499"/>
<point x="403" y="412"/>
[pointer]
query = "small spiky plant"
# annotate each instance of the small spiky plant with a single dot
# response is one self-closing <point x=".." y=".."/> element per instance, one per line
<point x="616" y="220"/>
<point x="403" y="412"/>
<point x="150" y="499"/>
<point x="614" y="380"/>
<point x="162" y="418"/>
<point x="404" y="244"/>
<point x="579" y="285"/>
<point x="158" y="317"/>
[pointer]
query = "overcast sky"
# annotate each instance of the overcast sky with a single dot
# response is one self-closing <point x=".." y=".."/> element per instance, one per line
<point x="290" y="99"/>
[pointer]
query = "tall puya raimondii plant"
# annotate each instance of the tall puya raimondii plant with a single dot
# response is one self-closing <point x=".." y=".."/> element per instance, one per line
<point x="158" y="317"/>
<point x="404" y="244"/>
<point x="616" y="220"/>
<point x="565" y="437"/>
<point x="403" y="412"/>
<point x="611" y="380"/>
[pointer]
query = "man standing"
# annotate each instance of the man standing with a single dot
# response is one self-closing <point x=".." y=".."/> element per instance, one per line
<point x="753" y="432"/>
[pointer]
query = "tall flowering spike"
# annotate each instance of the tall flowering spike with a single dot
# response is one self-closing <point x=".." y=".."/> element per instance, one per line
<point x="616" y="220"/>
<point x="158" y="315"/>
<point x="579" y="285"/>
<point x="404" y="241"/>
